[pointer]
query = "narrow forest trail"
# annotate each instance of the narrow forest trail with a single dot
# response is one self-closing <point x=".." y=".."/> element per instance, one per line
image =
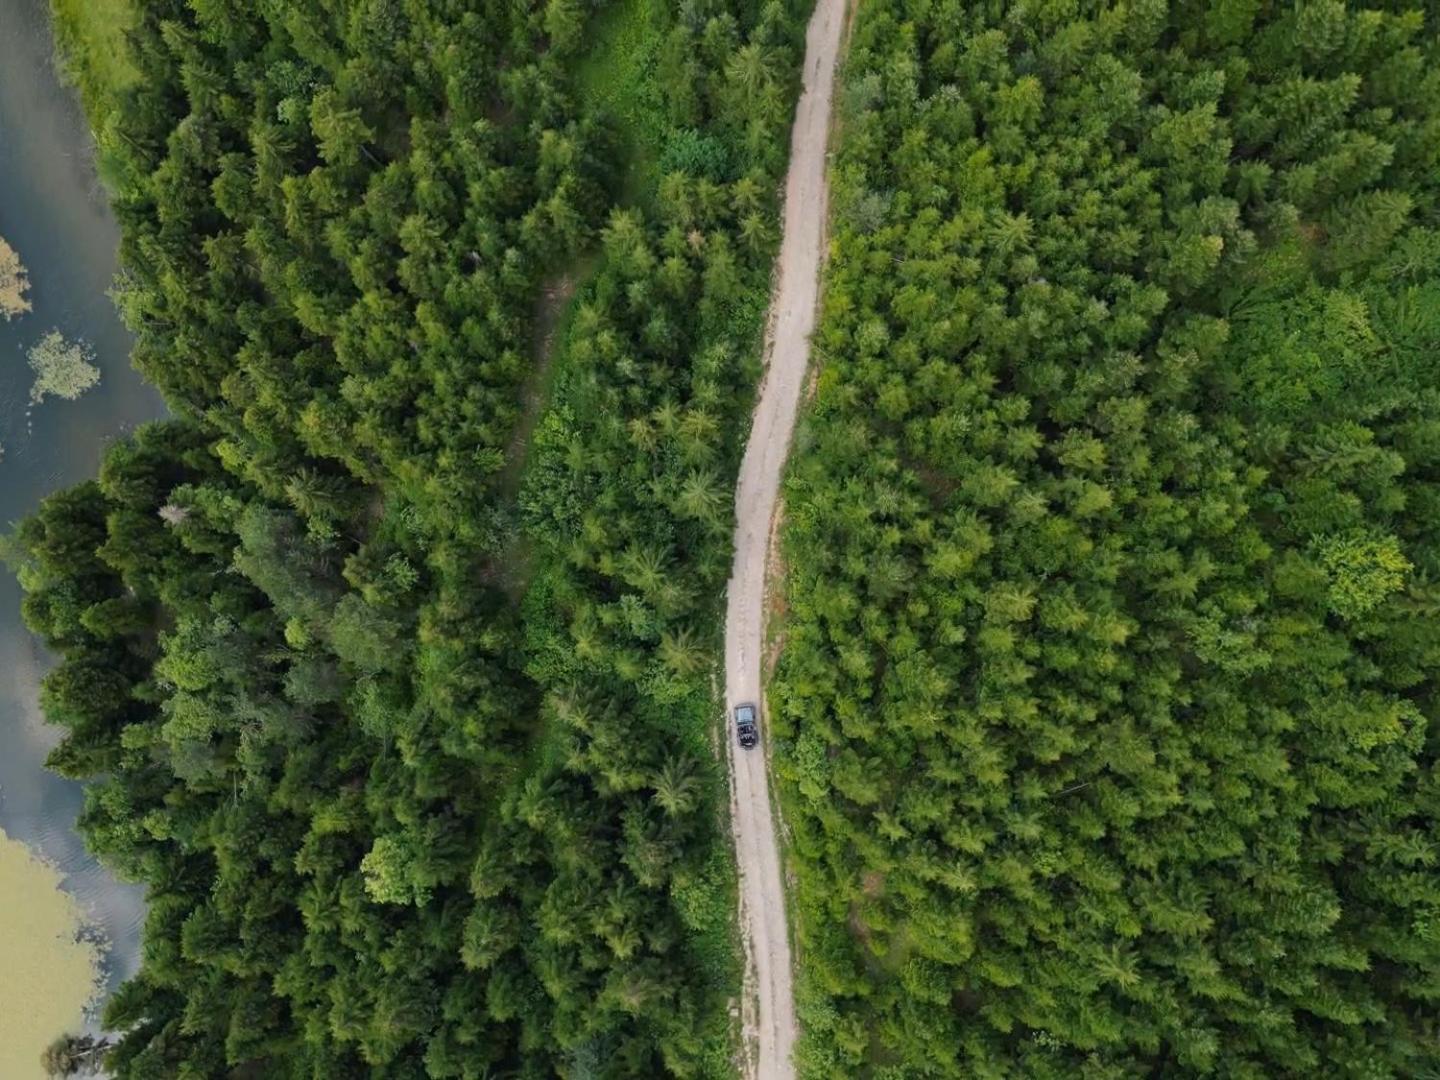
<point x="768" y="1009"/>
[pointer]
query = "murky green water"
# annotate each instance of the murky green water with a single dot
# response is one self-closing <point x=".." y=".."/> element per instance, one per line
<point x="50" y="965"/>
<point x="53" y="212"/>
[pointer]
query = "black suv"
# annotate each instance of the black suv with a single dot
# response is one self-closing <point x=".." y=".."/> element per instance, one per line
<point x="745" y="726"/>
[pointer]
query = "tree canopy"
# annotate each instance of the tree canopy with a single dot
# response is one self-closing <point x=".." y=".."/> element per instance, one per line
<point x="404" y="724"/>
<point x="1107" y="695"/>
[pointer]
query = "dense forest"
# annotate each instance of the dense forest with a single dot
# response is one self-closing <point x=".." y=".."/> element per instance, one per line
<point x="1103" y="713"/>
<point x="388" y="658"/>
<point x="1107" y="707"/>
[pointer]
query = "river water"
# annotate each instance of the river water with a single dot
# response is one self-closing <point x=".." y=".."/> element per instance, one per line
<point x="53" y="212"/>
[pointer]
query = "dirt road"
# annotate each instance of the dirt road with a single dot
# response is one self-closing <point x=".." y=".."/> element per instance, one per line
<point x="768" y="1010"/>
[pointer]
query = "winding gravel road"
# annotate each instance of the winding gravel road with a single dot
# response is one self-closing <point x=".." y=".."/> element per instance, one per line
<point x="768" y="1009"/>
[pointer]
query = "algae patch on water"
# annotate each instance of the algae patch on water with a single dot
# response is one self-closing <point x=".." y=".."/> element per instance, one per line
<point x="13" y="283"/>
<point x="51" y="966"/>
<point x="62" y="368"/>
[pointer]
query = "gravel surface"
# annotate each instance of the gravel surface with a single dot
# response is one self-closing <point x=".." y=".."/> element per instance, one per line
<point x="768" y="1010"/>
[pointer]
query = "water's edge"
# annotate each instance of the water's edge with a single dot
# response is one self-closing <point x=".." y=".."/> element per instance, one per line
<point x="53" y="212"/>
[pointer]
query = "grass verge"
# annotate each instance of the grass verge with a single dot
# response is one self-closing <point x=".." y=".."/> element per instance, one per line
<point x="93" y="49"/>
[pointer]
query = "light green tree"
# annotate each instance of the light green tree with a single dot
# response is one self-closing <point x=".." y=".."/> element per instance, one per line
<point x="1363" y="570"/>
